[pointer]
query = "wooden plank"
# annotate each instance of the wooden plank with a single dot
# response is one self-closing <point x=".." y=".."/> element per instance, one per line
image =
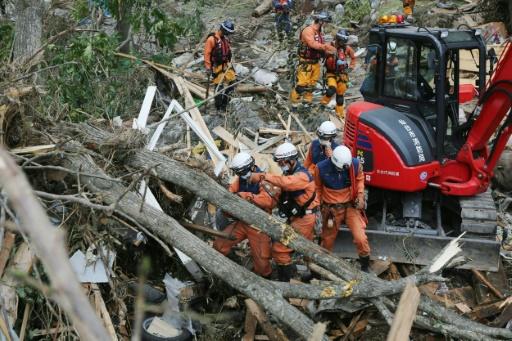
<point x="105" y="316"/>
<point x="505" y="316"/>
<point x="44" y="148"/>
<point x="479" y="276"/>
<point x="486" y="310"/>
<point x="250" y="325"/>
<point x="225" y="136"/>
<point x="268" y="144"/>
<point x="141" y="120"/>
<point x="246" y="141"/>
<point x="318" y="332"/>
<point x="463" y="307"/>
<point x="379" y="266"/>
<point x="274" y="334"/>
<point x="405" y="314"/>
<point x="5" y="252"/>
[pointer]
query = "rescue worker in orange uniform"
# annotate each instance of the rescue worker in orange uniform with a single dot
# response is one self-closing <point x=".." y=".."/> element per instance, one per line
<point x="340" y="185"/>
<point x="282" y="10"/>
<point x="260" y="243"/>
<point x="298" y="203"/>
<point x="312" y="48"/>
<point x="338" y="69"/>
<point x="408" y="6"/>
<point x="217" y="61"/>
<point x="321" y="148"/>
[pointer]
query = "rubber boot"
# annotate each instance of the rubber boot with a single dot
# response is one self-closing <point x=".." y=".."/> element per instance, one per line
<point x="286" y="272"/>
<point x="365" y="263"/>
<point x="340" y="111"/>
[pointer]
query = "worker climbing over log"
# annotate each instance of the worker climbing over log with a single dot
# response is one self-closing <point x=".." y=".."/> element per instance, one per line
<point x="338" y="68"/>
<point x="321" y="148"/>
<point x="282" y="10"/>
<point x="340" y="186"/>
<point x="298" y="203"/>
<point x="260" y="194"/>
<point x="312" y="48"/>
<point x="217" y="61"/>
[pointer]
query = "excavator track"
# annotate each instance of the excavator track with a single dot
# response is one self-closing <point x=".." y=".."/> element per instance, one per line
<point x="478" y="214"/>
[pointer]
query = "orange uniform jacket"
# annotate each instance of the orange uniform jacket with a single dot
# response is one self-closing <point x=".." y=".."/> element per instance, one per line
<point x="337" y="196"/>
<point x="352" y="55"/>
<point x="263" y="200"/>
<point x="296" y="182"/>
<point x="308" y="37"/>
<point x="209" y="45"/>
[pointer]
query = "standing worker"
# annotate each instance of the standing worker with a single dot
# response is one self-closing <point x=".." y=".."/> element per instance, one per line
<point x="337" y="72"/>
<point x="408" y="6"/>
<point x="340" y="184"/>
<point x="282" y="10"/>
<point x="312" y="48"/>
<point x="260" y="243"/>
<point x="321" y="148"/>
<point x="217" y="61"/>
<point x="298" y="203"/>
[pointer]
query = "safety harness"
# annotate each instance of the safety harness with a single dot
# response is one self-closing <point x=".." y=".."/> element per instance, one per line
<point x="221" y="53"/>
<point x="288" y="206"/>
<point x="307" y="53"/>
<point x="331" y="62"/>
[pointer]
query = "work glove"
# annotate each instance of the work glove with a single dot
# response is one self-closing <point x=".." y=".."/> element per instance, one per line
<point x="330" y="49"/>
<point x="359" y="202"/>
<point x="349" y="70"/>
<point x="349" y="84"/>
<point x="256" y="177"/>
<point x="328" y="151"/>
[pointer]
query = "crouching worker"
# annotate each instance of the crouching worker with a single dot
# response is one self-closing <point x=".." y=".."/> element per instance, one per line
<point x="298" y="203"/>
<point x="260" y="195"/>
<point x="340" y="184"/>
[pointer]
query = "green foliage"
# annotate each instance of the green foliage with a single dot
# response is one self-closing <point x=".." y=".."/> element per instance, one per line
<point x="80" y="9"/>
<point x="90" y="80"/>
<point x="156" y="22"/>
<point x="356" y="10"/>
<point x="6" y="39"/>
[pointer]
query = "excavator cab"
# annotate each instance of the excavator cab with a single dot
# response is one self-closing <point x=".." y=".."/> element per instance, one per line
<point x="418" y="71"/>
<point x="425" y="162"/>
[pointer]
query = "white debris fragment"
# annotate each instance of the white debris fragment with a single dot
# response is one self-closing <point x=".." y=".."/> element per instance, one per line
<point x="264" y="77"/>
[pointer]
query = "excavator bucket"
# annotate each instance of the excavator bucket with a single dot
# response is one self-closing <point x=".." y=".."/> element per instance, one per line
<point x="420" y="249"/>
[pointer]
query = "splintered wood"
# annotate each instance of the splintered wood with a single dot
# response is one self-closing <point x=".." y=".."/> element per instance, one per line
<point x="405" y="314"/>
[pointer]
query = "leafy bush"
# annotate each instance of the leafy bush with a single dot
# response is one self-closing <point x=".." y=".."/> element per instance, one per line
<point x="6" y="39"/>
<point x="91" y="81"/>
<point x="356" y="10"/>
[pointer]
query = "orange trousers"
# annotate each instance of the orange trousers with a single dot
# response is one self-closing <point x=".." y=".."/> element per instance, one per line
<point x="259" y="242"/>
<point x="305" y="226"/>
<point x="355" y="223"/>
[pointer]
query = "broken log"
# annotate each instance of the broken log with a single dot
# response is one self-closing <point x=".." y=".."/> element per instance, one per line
<point x="206" y="230"/>
<point x="478" y="275"/>
<point x="7" y="245"/>
<point x="262" y="8"/>
<point x="48" y="243"/>
<point x="205" y="187"/>
<point x="172" y="232"/>
<point x="251" y="89"/>
<point x="273" y="333"/>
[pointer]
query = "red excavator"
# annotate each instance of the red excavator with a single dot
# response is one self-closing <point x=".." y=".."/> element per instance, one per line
<point x="427" y="166"/>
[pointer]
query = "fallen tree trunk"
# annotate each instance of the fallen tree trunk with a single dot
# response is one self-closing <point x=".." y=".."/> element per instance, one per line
<point x="205" y="187"/>
<point x="48" y="244"/>
<point x="171" y="231"/>
<point x="262" y="8"/>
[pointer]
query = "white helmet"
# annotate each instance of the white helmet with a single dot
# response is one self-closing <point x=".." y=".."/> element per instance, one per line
<point x="286" y="151"/>
<point x="341" y="156"/>
<point x="327" y="130"/>
<point x="242" y="163"/>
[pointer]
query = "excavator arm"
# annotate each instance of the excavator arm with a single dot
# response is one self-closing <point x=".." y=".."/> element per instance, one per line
<point x="493" y="115"/>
